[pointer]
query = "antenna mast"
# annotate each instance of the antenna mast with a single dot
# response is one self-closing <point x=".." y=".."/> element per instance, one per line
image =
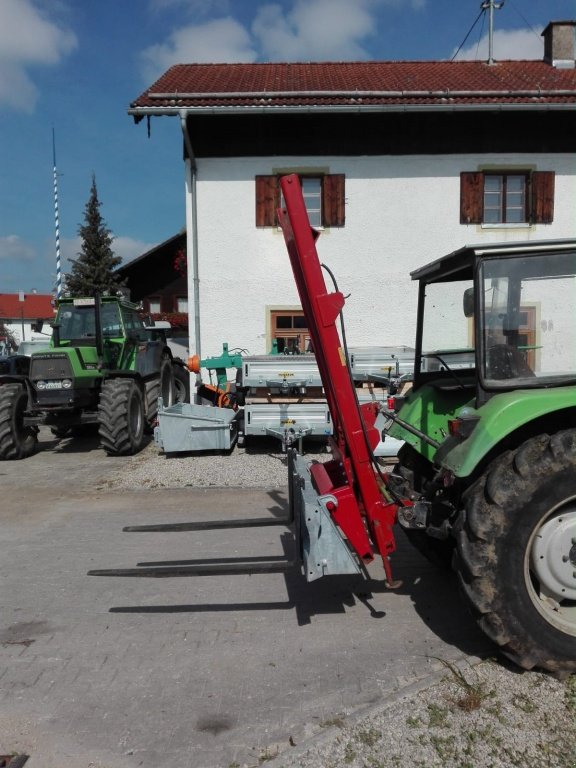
<point x="490" y="5"/>
<point x="56" y="221"/>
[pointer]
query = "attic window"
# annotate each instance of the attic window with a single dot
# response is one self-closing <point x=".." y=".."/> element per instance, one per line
<point x="507" y="197"/>
<point x="323" y="196"/>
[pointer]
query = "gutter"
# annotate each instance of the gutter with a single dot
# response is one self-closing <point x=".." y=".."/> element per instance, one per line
<point x="192" y="231"/>
<point x="140" y="112"/>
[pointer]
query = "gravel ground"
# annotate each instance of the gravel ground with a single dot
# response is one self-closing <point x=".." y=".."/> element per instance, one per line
<point x="261" y="464"/>
<point x="486" y="715"/>
<point x="482" y="716"/>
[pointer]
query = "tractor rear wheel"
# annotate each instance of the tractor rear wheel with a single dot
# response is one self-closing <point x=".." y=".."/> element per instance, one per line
<point x="121" y="417"/>
<point x="516" y="556"/>
<point x="162" y="387"/>
<point x="181" y="384"/>
<point x="16" y="440"/>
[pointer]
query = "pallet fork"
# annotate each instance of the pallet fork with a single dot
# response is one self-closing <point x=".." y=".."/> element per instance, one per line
<point x="341" y="511"/>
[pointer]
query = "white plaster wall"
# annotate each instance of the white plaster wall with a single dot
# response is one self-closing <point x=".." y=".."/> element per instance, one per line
<point x="401" y="212"/>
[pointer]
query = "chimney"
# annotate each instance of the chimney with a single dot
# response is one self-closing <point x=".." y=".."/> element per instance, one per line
<point x="560" y="44"/>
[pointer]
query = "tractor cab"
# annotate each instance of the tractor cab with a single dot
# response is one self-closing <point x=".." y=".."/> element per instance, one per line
<point x="495" y="350"/>
<point x="498" y="317"/>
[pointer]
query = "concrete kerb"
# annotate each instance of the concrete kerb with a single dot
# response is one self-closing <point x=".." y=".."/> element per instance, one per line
<point x="288" y="755"/>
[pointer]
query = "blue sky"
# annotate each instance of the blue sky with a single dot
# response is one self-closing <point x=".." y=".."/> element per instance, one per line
<point x="75" y="65"/>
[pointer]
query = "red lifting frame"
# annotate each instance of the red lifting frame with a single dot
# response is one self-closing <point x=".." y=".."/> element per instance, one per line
<point x="363" y="512"/>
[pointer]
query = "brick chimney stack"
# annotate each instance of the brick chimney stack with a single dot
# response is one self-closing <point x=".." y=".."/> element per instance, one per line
<point x="560" y="44"/>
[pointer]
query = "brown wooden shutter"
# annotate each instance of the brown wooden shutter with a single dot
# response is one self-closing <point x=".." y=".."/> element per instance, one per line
<point x="267" y="200"/>
<point x="333" y="200"/>
<point x="471" y="197"/>
<point x="542" y="197"/>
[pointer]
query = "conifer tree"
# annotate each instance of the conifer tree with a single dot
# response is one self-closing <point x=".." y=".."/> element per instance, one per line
<point x="93" y="269"/>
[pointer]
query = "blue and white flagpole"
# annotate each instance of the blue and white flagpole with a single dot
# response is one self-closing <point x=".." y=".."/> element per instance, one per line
<point x="57" y="222"/>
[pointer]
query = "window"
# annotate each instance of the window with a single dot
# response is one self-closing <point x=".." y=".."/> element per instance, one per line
<point x="515" y="197"/>
<point x="323" y="196"/>
<point x="505" y="198"/>
<point x="290" y="333"/>
<point x="182" y="304"/>
<point x="154" y="304"/>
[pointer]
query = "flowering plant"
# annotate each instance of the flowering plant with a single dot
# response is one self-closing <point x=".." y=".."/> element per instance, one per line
<point x="176" y="319"/>
<point x="180" y="263"/>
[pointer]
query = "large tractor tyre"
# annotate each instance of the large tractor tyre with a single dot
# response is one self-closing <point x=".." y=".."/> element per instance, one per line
<point x="439" y="552"/>
<point x="181" y="384"/>
<point x="121" y="417"/>
<point x="162" y="387"/>
<point x="16" y="440"/>
<point x="516" y="556"/>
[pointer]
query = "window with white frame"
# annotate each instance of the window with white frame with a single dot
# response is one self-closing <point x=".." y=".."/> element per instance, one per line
<point x="507" y="197"/>
<point x="323" y="197"/>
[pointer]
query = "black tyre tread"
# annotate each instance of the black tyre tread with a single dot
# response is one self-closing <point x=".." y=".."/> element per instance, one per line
<point x="16" y="441"/>
<point x="488" y="519"/>
<point x="116" y="436"/>
<point x="181" y="384"/>
<point x="154" y="390"/>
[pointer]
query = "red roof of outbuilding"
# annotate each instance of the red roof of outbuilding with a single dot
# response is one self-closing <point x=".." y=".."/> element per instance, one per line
<point x="34" y="306"/>
<point x="357" y="85"/>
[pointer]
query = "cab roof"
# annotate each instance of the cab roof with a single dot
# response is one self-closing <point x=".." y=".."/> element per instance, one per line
<point x="459" y="265"/>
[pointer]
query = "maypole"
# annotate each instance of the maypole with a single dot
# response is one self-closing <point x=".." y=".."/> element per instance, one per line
<point x="56" y="222"/>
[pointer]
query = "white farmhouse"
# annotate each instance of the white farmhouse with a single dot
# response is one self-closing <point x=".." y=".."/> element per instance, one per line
<point x="401" y="162"/>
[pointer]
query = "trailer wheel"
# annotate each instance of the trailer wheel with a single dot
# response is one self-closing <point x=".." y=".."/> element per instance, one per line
<point x="16" y="440"/>
<point x="121" y="417"/>
<point x="516" y="556"/>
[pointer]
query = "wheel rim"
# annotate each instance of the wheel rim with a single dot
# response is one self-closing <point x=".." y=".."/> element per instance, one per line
<point x="550" y="567"/>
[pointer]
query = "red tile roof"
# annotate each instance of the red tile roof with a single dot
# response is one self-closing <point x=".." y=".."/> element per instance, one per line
<point x="357" y="85"/>
<point x="34" y="306"/>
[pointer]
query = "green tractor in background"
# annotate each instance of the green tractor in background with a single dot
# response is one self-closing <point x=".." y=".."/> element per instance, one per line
<point x="104" y="371"/>
<point x="489" y="459"/>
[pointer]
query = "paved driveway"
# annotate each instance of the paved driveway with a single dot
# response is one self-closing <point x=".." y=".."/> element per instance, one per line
<point x="188" y="672"/>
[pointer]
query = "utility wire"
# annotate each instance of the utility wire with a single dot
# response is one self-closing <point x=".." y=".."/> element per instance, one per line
<point x="468" y="34"/>
<point x="524" y="19"/>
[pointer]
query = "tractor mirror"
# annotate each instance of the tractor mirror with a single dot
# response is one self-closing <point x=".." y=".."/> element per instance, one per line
<point x="468" y="302"/>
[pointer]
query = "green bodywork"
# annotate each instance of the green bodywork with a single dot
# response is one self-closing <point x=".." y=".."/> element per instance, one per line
<point x="66" y="378"/>
<point x="430" y="408"/>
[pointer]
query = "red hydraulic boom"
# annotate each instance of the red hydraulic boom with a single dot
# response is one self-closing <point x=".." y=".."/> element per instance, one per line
<point x="359" y="503"/>
<point x="340" y="511"/>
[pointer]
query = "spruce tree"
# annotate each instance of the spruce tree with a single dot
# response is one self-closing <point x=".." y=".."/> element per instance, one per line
<point x="93" y="269"/>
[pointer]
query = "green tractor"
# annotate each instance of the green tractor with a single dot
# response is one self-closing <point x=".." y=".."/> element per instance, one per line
<point x="489" y="458"/>
<point x="104" y="371"/>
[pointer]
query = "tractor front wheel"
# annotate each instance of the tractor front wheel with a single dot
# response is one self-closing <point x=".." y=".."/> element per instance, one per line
<point x="16" y="440"/>
<point x="121" y="417"/>
<point x="516" y="556"/>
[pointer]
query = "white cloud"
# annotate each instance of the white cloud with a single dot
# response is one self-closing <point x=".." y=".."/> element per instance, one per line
<point x="222" y="40"/>
<point x="27" y="39"/>
<point x="300" y="30"/>
<point x="507" y="45"/>
<point x="13" y="248"/>
<point x="128" y="248"/>
<point x="315" y="30"/>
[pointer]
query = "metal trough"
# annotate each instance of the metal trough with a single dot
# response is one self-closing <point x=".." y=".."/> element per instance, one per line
<point x="188" y="427"/>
